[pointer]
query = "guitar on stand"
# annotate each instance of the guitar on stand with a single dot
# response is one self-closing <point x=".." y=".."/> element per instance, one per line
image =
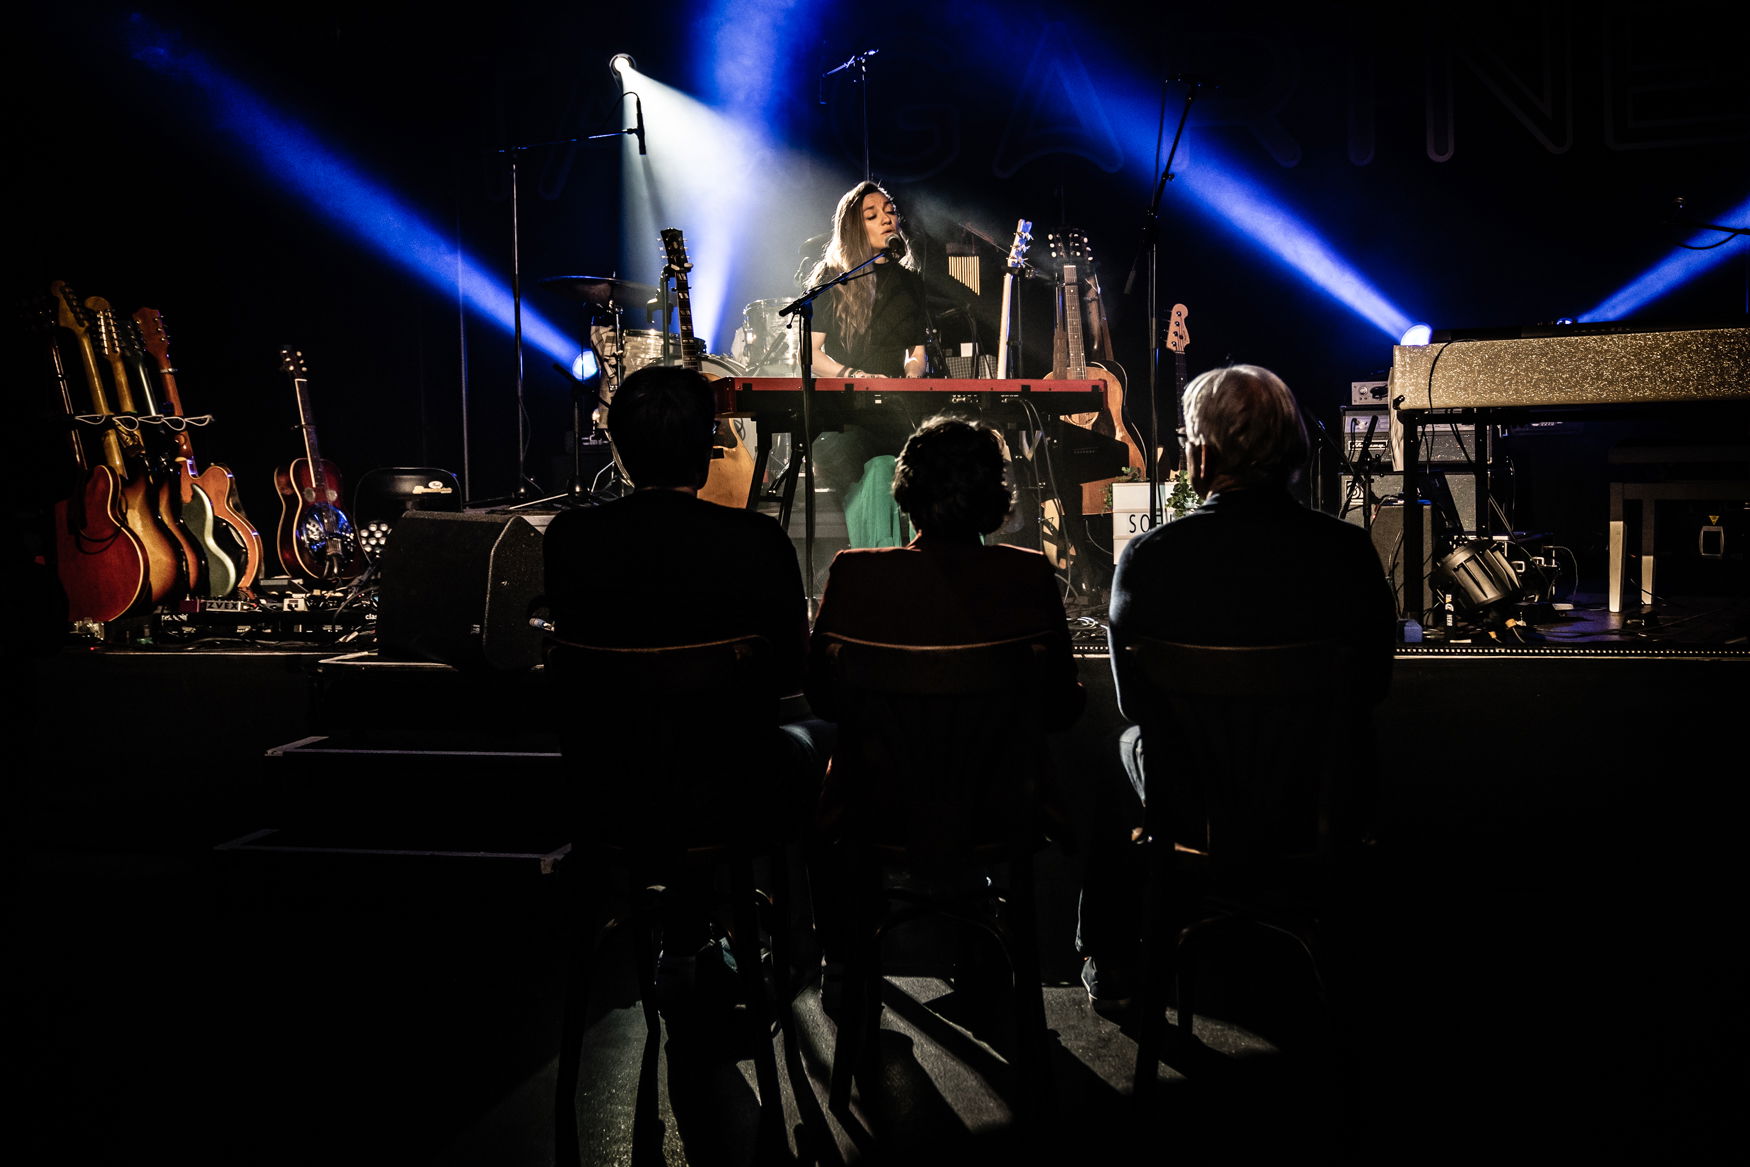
<point x="1012" y="268"/>
<point x="316" y="540"/>
<point x="729" y="481"/>
<point x="100" y="562"/>
<point x="1181" y="498"/>
<point x="125" y="450"/>
<point x="208" y="500"/>
<point x="1071" y="250"/>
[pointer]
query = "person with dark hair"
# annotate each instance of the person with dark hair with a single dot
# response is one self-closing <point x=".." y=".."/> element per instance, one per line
<point x="947" y="586"/>
<point x="1250" y="566"/>
<point x="660" y="568"/>
<point x="871" y="326"/>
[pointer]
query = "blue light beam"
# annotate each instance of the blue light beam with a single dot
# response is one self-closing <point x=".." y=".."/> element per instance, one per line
<point x="1675" y="270"/>
<point x="360" y="207"/>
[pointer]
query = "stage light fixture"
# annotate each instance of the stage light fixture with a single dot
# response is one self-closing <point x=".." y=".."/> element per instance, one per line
<point x="621" y="63"/>
<point x="1483" y="585"/>
<point x="1417" y="333"/>
<point x="368" y="211"/>
<point x="585" y="365"/>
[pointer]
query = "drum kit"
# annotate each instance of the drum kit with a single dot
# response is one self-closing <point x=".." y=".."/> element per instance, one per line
<point x="763" y="346"/>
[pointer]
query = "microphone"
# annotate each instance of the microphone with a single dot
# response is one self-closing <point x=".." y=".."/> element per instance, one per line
<point x="895" y="246"/>
<point x="638" y="104"/>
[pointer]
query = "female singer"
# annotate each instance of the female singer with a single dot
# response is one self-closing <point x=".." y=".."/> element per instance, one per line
<point x="872" y="326"/>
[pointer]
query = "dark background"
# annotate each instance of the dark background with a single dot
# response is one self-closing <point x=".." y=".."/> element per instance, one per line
<point x="1515" y="165"/>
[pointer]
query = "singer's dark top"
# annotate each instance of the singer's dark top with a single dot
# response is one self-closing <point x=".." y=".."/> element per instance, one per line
<point x="664" y="568"/>
<point x="896" y="325"/>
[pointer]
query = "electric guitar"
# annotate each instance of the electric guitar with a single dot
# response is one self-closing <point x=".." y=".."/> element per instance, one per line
<point x="316" y="539"/>
<point x="729" y="480"/>
<point x="1178" y="340"/>
<point x="1016" y="261"/>
<point x="210" y="506"/>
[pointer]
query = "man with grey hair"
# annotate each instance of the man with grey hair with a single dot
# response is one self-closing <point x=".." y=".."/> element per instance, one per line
<point x="1251" y="566"/>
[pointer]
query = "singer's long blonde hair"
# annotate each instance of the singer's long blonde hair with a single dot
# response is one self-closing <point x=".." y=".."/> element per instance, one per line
<point x="853" y="303"/>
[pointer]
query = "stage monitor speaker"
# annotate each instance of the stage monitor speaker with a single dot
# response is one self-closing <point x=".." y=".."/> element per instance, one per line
<point x="457" y="589"/>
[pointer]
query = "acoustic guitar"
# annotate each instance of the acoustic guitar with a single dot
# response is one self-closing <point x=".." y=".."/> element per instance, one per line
<point x="315" y="539"/>
<point x="729" y="480"/>
<point x="1071" y="250"/>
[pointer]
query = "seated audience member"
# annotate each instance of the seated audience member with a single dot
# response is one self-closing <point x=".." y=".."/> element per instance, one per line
<point x="1251" y="566"/>
<point x="662" y="567"/>
<point x="947" y="586"/>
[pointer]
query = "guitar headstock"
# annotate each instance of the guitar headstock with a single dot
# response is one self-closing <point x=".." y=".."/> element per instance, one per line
<point x="70" y="310"/>
<point x="674" y="252"/>
<point x="1178" y="337"/>
<point x="292" y="361"/>
<point x="1070" y="247"/>
<point x="154" y="337"/>
<point x="1018" y="249"/>
<point x="108" y="338"/>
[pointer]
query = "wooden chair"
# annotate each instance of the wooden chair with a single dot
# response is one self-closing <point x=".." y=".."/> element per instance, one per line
<point x="1248" y="808"/>
<point x="666" y="791"/>
<point x="941" y="755"/>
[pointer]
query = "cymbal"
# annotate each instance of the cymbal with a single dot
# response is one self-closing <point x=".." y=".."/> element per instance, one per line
<point x="601" y="291"/>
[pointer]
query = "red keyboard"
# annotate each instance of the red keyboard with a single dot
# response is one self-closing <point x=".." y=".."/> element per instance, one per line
<point x="966" y="385"/>
<point x="777" y="401"/>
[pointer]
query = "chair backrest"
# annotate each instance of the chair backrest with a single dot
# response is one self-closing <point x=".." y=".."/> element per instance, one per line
<point x="656" y="733"/>
<point x="940" y="747"/>
<point x="1243" y="746"/>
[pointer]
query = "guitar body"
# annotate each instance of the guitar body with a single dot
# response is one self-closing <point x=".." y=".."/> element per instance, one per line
<point x="315" y="539"/>
<point x="206" y="502"/>
<point x="217" y="488"/>
<point x="730" y="478"/>
<point x="101" y="564"/>
<point x="181" y="525"/>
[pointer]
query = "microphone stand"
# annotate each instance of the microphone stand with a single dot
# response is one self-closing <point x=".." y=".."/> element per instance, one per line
<point x="859" y="62"/>
<point x="803" y="309"/>
<point x="1151" y="245"/>
<point x="523" y="482"/>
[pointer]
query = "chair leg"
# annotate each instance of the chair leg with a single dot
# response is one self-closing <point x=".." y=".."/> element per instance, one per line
<point x="859" y="1021"/>
<point x="1030" y="1029"/>
<point x="746" y="946"/>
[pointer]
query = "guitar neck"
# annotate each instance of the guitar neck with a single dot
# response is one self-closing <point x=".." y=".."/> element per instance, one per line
<point x="1076" y="354"/>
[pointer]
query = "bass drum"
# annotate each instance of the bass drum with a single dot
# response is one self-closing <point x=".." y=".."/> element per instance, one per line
<point x="764" y="344"/>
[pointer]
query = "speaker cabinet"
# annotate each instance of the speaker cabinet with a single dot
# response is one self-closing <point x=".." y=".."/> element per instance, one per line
<point x="457" y="589"/>
<point x="1388" y="543"/>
